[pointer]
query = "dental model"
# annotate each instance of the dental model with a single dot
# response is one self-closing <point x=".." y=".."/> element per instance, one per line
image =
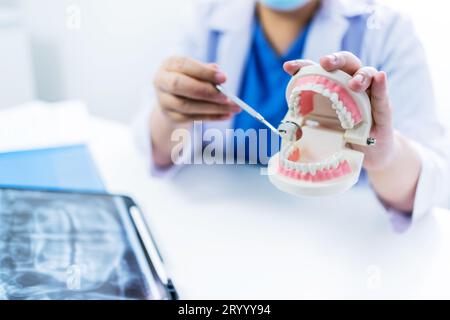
<point x="324" y="117"/>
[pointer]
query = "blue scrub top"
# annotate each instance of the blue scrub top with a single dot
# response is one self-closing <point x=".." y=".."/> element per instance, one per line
<point x="263" y="87"/>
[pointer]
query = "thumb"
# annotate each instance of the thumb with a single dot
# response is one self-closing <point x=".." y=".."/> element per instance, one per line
<point x="294" y="66"/>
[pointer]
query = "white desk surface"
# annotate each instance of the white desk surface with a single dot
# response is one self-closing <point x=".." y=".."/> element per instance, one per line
<point x="225" y="232"/>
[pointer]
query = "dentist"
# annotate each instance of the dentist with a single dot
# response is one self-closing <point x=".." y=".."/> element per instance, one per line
<point x="245" y="44"/>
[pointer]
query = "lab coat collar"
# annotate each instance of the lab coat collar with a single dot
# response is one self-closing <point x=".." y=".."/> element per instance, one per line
<point x="231" y="15"/>
<point x="347" y="8"/>
<point x="224" y="17"/>
<point x="327" y="31"/>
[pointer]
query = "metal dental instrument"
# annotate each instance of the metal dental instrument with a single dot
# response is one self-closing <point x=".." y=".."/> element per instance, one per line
<point x="248" y="109"/>
<point x="291" y="130"/>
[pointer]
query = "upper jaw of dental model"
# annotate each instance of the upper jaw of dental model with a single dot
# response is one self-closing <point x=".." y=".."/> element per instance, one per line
<point x="301" y="99"/>
<point x="331" y="168"/>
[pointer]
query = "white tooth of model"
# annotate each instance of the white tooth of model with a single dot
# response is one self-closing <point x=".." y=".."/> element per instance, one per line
<point x="334" y="98"/>
<point x="312" y="168"/>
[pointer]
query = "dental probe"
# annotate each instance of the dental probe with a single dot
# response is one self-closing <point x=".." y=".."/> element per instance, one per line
<point x="248" y="109"/>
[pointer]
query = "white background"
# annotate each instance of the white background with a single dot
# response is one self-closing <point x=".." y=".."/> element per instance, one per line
<point x="110" y="59"/>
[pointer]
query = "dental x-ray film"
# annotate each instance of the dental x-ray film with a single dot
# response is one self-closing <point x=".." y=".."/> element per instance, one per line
<point x="58" y="246"/>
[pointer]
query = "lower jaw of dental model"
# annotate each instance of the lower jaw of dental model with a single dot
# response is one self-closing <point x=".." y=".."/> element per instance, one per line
<point x="334" y="167"/>
<point x="331" y="117"/>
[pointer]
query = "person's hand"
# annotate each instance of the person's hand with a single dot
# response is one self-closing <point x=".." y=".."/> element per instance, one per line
<point x="368" y="79"/>
<point x="186" y="92"/>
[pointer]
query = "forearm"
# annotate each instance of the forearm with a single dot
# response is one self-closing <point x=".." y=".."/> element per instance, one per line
<point x="161" y="130"/>
<point x="397" y="183"/>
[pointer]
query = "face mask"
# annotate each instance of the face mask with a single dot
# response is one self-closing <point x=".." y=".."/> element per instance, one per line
<point x="284" y="5"/>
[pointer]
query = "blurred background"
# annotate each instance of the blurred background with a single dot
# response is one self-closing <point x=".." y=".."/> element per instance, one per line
<point x="105" y="52"/>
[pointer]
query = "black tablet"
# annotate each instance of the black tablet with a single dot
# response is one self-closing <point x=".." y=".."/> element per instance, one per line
<point x="66" y="245"/>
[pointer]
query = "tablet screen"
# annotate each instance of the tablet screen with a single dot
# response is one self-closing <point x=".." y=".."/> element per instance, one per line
<point x="61" y="246"/>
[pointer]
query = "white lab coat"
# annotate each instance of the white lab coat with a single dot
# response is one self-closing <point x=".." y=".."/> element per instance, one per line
<point x="390" y="44"/>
